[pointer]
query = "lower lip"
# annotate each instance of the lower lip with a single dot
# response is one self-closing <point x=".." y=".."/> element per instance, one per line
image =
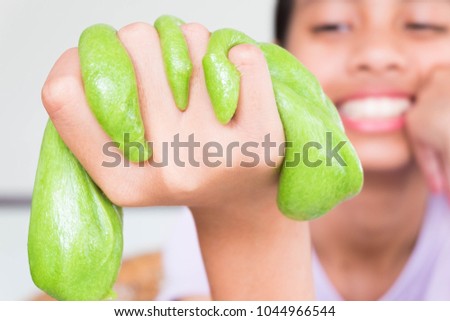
<point x="374" y="125"/>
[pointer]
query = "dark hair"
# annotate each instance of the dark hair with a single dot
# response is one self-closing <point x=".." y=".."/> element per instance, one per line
<point x="283" y="15"/>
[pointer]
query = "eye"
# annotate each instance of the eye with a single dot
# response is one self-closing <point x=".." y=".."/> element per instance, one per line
<point x="331" y="28"/>
<point x="428" y="27"/>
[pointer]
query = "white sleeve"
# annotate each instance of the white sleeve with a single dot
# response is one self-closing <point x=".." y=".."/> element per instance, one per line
<point x="183" y="270"/>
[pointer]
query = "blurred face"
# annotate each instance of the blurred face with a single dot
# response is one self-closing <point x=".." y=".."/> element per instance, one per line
<point x="372" y="57"/>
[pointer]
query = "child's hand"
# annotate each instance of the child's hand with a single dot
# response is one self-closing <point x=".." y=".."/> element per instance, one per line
<point x="429" y="129"/>
<point x="242" y="234"/>
<point x="173" y="184"/>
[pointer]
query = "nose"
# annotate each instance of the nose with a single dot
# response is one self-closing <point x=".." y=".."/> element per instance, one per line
<point x="377" y="53"/>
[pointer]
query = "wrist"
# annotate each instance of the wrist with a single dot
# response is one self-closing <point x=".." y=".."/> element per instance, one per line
<point x="253" y="252"/>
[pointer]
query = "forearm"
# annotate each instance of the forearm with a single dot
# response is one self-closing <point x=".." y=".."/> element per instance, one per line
<point x="257" y="254"/>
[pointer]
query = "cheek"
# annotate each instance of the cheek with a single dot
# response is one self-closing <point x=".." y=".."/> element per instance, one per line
<point x="427" y="57"/>
<point x="328" y="66"/>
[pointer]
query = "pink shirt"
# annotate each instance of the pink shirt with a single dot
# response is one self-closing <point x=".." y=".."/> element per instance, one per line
<point x="426" y="275"/>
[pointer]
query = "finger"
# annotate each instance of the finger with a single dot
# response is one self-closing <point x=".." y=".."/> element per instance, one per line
<point x="431" y="167"/>
<point x="256" y="106"/>
<point x="157" y="106"/>
<point x="197" y="37"/>
<point x="63" y="97"/>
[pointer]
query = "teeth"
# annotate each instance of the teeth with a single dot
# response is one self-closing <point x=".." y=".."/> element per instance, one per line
<point x="375" y="108"/>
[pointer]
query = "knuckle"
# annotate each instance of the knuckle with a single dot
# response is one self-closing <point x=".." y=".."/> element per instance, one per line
<point x="122" y="194"/>
<point x="195" y="30"/>
<point x="139" y="30"/>
<point x="246" y="54"/>
<point x="181" y="186"/>
<point x="57" y="93"/>
<point x="117" y="199"/>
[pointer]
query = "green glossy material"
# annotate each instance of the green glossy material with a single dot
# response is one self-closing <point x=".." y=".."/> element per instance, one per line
<point x="111" y="90"/>
<point x="314" y="185"/>
<point x="318" y="183"/>
<point x="221" y="76"/>
<point x="176" y="58"/>
<point x="75" y="233"/>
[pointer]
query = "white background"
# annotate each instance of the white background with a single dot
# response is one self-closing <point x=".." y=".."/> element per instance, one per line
<point x="32" y="35"/>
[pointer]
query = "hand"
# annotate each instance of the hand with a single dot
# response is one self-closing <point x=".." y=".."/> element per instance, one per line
<point x="240" y="228"/>
<point x="250" y="250"/>
<point x="429" y="128"/>
<point x="146" y="185"/>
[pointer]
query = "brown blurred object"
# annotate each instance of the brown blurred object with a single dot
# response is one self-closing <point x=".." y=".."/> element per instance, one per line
<point x="138" y="280"/>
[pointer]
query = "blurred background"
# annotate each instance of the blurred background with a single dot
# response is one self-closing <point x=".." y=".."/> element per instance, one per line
<point x="32" y="36"/>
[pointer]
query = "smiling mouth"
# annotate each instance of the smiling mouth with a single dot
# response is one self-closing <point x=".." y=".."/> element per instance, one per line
<point x="375" y="108"/>
<point x="375" y="114"/>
